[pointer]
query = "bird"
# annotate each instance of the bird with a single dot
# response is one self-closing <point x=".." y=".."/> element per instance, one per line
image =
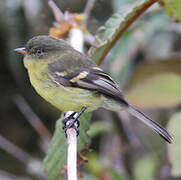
<point x="71" y="81"/>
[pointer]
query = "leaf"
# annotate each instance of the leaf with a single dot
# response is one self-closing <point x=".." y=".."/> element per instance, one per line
<point x="55" y="159"/>
<point x="174" y="149"/>
<point x="109" y="34"/>
<point x="156" y="84"/>
<point x="101" y="170"/>
<point x="83" y="138"/>
<point x="172" y="8"/>
<point x="147" y="70"/>
<point x="99" y="127"/>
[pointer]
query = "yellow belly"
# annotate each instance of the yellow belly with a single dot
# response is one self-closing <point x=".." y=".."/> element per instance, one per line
<point x="64" y="98"/>
<point x="72" y="99"/>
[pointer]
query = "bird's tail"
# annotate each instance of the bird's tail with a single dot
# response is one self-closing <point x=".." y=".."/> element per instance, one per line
<point x="149" y="122"/>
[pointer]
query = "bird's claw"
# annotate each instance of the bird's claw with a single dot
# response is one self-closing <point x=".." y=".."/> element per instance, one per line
<point x="71" y="122"/>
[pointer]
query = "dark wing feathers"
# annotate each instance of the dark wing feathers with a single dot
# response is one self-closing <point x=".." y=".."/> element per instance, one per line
<point x="96" y="79"/>
<point x="93" y="79"/>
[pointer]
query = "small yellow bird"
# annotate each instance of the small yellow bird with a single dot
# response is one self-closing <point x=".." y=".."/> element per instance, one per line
<point x="69" y="80"/>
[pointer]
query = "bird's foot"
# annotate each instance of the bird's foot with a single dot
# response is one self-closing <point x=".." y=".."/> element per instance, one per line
<point x="72" y="121"/>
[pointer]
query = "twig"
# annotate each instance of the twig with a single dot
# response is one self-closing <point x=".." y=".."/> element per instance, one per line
<point x="71" y="151"/>
<point x="14" y="150"/>
<point x="56" y="11"/>
<point x="72" y="154"/>
<point x="88" y="8"/>
<point x="34" y="166"/>
<point x="126" y="26"/>
<point x="8" y="176"/>
<point x="33" y="119"/>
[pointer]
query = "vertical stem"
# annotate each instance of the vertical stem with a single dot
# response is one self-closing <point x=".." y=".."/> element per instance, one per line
<point x="71" y="154"/>
<point x="76" y="38"/>
<point x="71" y="150"/>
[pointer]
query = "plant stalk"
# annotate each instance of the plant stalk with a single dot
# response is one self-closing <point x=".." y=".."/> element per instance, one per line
<point x="76" y="38"/>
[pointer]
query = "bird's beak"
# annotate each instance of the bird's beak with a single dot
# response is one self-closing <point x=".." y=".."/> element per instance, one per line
<point x="21" y="50"/>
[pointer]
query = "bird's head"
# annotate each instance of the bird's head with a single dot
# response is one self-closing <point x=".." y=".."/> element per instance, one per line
<point x="42" y="48"/>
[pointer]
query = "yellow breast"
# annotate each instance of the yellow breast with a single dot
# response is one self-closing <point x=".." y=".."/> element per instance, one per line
<point x="64" y="98"/>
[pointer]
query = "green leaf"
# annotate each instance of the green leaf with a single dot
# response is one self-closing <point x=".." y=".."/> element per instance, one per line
<point x="156" y="84"/>
<point x="175" y="148"/>
<point x="172" y="8"/>
<point x="117" y="176"/>
<point x="83" y="138"/>
<point x="101" y="170"/>
<point x="93" y="164"/>
<point x="56" y="156"/>
<point x="108" y="34"/>
<point x="98" y="127"/>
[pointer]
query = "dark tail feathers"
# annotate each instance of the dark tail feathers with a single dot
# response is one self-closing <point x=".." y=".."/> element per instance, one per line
<point x="149" y="122"/>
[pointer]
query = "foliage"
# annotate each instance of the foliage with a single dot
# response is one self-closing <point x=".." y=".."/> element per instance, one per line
<point x="109" y="34"/>
<point x="172" y="8"/>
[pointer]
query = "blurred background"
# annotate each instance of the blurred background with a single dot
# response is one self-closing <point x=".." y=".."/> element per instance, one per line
<point x="145" y="62"/>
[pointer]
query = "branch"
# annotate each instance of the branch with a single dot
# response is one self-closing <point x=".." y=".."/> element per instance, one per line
<point x="88" y="8"/>
<point x="14" y="150"/>
<point x="71" y="151"/>
<point x="56" y="11"/>
<point x="114" y="27"/>
<point x="71" y="154"/>
<point x="33" y="166"/>
<point x="5" y="175"/>
<point x="127" y="25"/>
<point x="33" y="119"/>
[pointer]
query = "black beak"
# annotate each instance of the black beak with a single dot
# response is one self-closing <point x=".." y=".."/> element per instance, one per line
<point x="21" y="50"/>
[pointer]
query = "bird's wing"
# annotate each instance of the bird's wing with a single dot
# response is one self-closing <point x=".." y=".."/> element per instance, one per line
<point x="97" y="80"/>
<point x="93" y="79"/>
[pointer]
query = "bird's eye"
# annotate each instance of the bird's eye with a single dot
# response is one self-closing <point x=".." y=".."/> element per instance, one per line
<point x="39" y="52"/>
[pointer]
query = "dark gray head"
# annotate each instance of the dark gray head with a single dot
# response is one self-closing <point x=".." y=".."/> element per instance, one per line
<point x="41" y="45"/>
